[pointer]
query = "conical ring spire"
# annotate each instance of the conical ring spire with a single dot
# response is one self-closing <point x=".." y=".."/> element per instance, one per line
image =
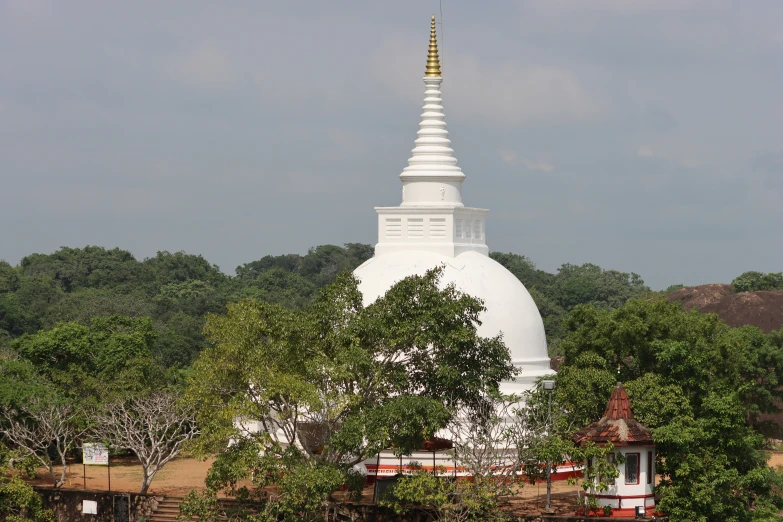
<point x="432" y="175"/>
<point x="433" y="62"/>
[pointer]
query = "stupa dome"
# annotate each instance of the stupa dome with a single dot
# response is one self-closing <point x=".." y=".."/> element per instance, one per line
<point x="510" y="309"/>
<point x="432" y="227"/>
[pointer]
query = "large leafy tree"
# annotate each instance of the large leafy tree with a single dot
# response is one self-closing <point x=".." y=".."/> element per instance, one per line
<point x="167" y="268"/>
<point x="88" y="267"/>
<point x="102" y="348"/>
<point x="698" y="384"/>
<point x="331" y="384"/>
<point x="87" y="363"/>
<point x="589" y="283"/>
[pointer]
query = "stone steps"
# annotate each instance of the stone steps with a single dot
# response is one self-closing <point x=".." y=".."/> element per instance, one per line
<point x="168" y="510"/>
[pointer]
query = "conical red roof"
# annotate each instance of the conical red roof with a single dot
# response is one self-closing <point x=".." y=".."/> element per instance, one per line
<point x="617" y="426"/>
<point x="619" y="405"/>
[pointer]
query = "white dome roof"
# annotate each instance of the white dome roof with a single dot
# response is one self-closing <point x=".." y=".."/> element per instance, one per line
<point x="509" y="308"/>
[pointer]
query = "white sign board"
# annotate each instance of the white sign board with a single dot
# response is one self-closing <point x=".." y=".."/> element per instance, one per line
<point x="89" y="507"/>
<point x="95" y="454"/>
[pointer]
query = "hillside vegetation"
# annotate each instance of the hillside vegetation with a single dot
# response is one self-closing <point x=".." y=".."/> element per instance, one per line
<point x="176" y="290"/>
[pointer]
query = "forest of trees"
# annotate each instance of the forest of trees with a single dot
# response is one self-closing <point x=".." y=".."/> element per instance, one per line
<point x="176" y="290"/>
<point x="90" y="333"/>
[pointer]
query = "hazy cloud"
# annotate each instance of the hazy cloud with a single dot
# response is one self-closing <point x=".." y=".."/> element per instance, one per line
<point x="644" y="151"/>
<point x="520" y="95"/>
<point x="540" y="165"/>
<point x="206" y="68"/>
<point x="509" y="156"/>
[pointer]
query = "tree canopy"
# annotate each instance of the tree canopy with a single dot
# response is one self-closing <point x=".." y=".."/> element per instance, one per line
<point x="755" y="281"/>
<point x="321" y="388"/>
<point x="699" y="384"/>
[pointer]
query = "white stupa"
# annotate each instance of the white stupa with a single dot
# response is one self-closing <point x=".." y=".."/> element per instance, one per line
<point x="432" y="227"/>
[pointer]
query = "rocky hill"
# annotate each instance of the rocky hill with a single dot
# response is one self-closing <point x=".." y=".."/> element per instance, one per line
<point x="763" y="308"/>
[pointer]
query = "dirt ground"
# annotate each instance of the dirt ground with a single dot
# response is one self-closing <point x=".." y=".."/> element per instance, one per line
<point x="177" y="478"/>
<point x="180" y="476"/>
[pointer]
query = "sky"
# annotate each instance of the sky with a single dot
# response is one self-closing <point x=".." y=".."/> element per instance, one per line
<point x="642" y="136"/>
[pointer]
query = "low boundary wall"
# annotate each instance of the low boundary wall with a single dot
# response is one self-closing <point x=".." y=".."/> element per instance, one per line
<point x="67" y="505"/>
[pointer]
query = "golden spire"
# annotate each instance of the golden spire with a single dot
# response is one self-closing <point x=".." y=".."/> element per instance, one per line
<point x="433" y="63"/>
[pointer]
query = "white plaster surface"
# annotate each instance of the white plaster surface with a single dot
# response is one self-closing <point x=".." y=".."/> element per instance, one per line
<point x="510" y="309"/>
<point x="629" y="491"/>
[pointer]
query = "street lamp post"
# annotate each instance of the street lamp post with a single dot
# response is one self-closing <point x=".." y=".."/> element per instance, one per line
<point x="550" y="387"/>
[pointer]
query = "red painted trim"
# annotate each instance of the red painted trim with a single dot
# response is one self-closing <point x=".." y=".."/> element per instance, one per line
<point x="650" y="467"/>
<point x="623" y="496"/>
<point x="620" y="513"/>
<point x="638" y="468"/>
<point x="559" y="476"/>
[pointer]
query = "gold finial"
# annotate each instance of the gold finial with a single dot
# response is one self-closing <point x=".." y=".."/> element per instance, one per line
<point x="433" y="63"/>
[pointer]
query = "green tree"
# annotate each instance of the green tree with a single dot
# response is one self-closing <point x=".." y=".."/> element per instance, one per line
<point x="86" y="362"/>
<point x="553" y="316"/>
<point x="192" y="297"/>
<point x="166" y="268"/>
<point x="755" y="281"/>
<point x="9" y="278"/>
<point x="324" y="263"/>
<point x="23" y="311"/>
<point x="88" y="267"/>
<point x="336" y="382"/>
<point x="102" y="348"/>
<point x="588" y="283"/>
<point x="19" y="380"/>
<point x="714" y="467"/>
<point x="446" y="499"/>
<point x="84" y="304"/>
<point x="280" y="287"/>
<point x="254" y="269"/>
<point x="179" y="339"/>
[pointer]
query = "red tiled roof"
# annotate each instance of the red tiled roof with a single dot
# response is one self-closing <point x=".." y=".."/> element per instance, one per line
<point x="619" y="405"/>
<point x="617" y="426"/>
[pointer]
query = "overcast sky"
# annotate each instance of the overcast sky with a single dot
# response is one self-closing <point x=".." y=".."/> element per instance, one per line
<point x="644" y="136"/>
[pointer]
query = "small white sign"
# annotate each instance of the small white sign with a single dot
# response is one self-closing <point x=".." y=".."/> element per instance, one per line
<point x="89" y="507"/>
<point x="95" y="454"/>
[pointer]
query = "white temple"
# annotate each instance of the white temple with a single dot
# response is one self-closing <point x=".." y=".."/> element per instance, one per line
<point x="432" y="227"/>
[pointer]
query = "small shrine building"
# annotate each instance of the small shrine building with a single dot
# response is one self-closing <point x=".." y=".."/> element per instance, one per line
<point x="634" y="487"/>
